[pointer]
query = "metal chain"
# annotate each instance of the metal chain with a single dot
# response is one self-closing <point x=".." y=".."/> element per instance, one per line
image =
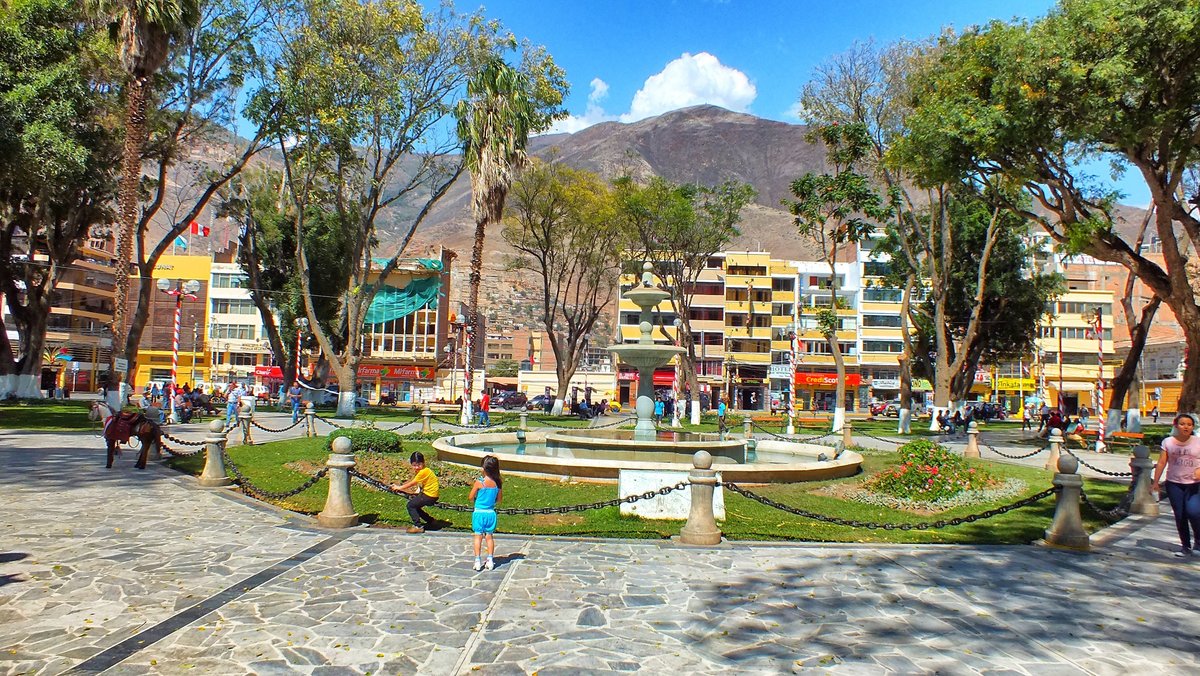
<point x="1110" y="515"/>
<point x="268" y="429"/>
<point x="178" y="453"/>
<point x="527" y="511"/>
<point x="1002" y="454"/>
<point x="1094" y="468"/>
<point x="329" y="422"/>
<point x="886" y="441"/>
<point x="891" y="526"/>
<point x="179" y="441"/>
<point x="249" y="488"/>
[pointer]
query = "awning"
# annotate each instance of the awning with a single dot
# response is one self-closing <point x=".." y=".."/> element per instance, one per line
<point x="1072" y="387"/>
<point x="502" y="380"/>
<point x="664" y="379"/>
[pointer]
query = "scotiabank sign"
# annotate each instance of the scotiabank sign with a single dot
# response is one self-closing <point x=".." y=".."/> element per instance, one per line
<point x="826" y="379"/>
<point x="395" y="372"/>
<point x="268" y="372"/>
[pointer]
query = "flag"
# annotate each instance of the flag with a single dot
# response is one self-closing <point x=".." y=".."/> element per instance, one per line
<point x="202" y="230"/>
<point x="181" y="242"/>
<point x="195" y="228"/>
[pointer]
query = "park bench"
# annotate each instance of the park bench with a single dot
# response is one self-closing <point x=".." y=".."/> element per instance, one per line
<point x="1124" y="439"/>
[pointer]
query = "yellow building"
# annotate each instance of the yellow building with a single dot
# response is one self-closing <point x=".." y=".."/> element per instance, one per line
<point x="1068" y="359"/>
<point x="154" y="353"/>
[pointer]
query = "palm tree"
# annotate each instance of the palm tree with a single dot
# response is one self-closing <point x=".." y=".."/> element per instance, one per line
<point x="494" y="123"/>
<point x="143" y="31"/>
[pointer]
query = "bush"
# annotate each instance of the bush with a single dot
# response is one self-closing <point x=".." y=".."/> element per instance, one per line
<point x="365" y="440"/>
<point x="929" y="473"/>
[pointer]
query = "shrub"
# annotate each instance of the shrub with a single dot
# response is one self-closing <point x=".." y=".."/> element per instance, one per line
<point x="929" y="473"/>
<point x="366" y="440"/>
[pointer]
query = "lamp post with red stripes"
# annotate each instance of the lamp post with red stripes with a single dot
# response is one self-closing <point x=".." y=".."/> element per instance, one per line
<point x="179" y="290"/>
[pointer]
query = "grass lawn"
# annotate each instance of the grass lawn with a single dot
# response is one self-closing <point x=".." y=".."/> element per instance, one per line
<point x="48" y="415"/>
<point x="746" y="520"/>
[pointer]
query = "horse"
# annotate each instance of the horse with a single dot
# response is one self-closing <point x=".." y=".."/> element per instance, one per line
<point x="118" y="427"/>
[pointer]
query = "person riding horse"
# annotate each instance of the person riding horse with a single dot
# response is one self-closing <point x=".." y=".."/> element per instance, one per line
<point x="119" y="427"/>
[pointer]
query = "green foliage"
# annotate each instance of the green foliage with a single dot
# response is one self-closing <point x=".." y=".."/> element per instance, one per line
<point x="504" y="368"/>
<point x="366" y="440"/>
<point x="929" y="473"/>
<point x="830" y="207"/>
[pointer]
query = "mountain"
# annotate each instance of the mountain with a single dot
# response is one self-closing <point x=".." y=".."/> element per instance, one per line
<point x="702" y="144"/>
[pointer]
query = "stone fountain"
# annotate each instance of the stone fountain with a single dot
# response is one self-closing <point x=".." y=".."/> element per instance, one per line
<point x="644" y="354"/>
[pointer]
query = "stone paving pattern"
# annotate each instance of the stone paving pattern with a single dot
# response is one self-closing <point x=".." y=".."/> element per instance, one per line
<point x="90" y="558"/>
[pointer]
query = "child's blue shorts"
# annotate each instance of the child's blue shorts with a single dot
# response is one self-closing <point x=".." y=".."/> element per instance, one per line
<point x="483" y="521"/>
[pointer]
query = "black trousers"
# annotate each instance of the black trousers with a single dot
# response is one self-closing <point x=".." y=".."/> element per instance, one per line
<point x="416" y="509"/>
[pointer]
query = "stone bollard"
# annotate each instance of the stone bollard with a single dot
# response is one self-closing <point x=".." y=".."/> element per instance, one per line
<point x="746" y="431"/>
<point x="214" y="475"/>
<point x="427" y="420"/>
<point x="847" y="434"/>
<point x="1056" y="441"/>
<point x="701" y="527"/>
<point x="1144" y="502"/>
<point x="339" y="511"/>
<point x="310" y="417"/>
<point x="1067" y="528"/>
<point x="524" y="424"/>
<point x="752" y="450"/>
<point x="972" y="450"/>
<point x="244" y="418"/>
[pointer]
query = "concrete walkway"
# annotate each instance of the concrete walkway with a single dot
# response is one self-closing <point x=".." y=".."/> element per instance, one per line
<point x="122" y="571"/>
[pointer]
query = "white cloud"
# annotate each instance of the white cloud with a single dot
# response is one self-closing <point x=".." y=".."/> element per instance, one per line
<point x="797" y="112"/>
<point x="686" y="81"/>
<point x="593" y="115"/>
<point x="690" y="81"/>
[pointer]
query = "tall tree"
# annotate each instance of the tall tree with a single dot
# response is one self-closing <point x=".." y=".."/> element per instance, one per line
<point x="1108" y="78"/>
<point x="57" y="152"/>
<point x="504" y="105"/>
<point x="836" y="210"/>
<point x="678" y="228"/>
<point x="563" y="231"/>
<point x="190" y="154"/>
<point x="144" y="31"/>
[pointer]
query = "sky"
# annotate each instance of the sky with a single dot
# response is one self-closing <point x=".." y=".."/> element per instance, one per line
<point x="628" y="60"/>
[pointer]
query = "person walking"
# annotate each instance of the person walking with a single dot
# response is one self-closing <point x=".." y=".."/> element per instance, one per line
<point x="1180" y="458"/>
<point x="658" y="411"/>
<point x="424" y="489"/>
<point x="232" y="400"/>
<point x="294" y="396"/>
<point x="486" y="494"/>
<point x="485" y="406"/>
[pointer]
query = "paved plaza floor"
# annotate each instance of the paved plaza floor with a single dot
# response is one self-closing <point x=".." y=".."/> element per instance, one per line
<point x="125" y="572"/>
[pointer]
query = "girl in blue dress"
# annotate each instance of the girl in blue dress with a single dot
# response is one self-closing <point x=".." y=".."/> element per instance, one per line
<point x="486" y="495"/>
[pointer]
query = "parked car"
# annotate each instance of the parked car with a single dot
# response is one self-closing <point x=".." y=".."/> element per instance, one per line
<point x="510" y="400"/>
<point x="879" y="408"/>
<point x="540" y="402"/>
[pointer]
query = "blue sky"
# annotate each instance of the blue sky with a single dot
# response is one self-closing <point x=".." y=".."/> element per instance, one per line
<point x="629" y="59"/>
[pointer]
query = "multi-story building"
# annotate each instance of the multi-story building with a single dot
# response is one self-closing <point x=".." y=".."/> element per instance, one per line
<point x="155" y="350"/>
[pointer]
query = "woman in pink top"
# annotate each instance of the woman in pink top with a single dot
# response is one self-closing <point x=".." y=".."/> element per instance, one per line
<point x="1181" y="458"/>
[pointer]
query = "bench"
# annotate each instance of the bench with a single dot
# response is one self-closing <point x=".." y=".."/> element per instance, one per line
<point x="1125" y="439"/>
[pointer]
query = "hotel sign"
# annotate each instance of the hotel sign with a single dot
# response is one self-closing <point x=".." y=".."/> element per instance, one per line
<point x="886" y="383"/>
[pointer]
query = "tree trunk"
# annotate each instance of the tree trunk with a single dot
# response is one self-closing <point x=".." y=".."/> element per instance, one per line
<point x="904" y="415"/>
<point x="476" y="278"/>
<point x="347" y="375"/>
<point x="564" y="385"/>
<point x="1189" y="398"/>
<point x="690" y="381"/>
<point x="127" y="210"/>
<point x="1124" y="378"/>
<point x="839" y="404"/>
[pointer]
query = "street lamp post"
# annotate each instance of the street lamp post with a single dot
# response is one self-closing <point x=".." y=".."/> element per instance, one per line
<point x="179" y="290"/>
<point x="794" y="345"/>
<point x="1096" y="321"/>
<point x="678" y="368"/>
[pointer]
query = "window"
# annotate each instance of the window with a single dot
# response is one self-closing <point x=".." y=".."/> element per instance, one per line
<point x="883" y="295"/>
<point x="234" y="306"/>
<point x="226" y="280"/>
<point x="707" y="289"/>
<point x="877" y="268"/>
<point x="1072" y="307"/>
<point x="822" y="347"/>
<point x="751" y="270"/>
<point x="883" y="346"/>
<point x="706" y="314"/>
<point x="244" y="359"/>
<point x="1078" y="333"/>
<point x="888" y="321"/>
<point x="781" y="309"/>
<point x="783" y="283"/>
<point x="232" y="332"/>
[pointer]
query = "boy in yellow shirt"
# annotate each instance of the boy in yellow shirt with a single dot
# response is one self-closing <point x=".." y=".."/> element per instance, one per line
<point x="424" y="490"/>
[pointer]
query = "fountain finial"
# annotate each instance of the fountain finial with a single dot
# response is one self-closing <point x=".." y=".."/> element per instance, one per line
<point x="647" y="274"/>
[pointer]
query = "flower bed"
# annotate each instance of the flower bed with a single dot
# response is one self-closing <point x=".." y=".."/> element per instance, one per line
<point x="929" y="477"/>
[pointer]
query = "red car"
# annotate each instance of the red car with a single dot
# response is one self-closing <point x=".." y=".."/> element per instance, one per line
<point x="879" y="408"/>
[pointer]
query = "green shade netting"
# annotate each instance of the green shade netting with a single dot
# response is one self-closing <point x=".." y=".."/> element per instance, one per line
<point x="427" y="263"/>
<point x="392" y="303"/>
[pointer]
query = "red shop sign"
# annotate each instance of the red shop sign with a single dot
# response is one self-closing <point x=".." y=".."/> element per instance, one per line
<point x="268" y="372"/>
<point x="395" y="372"/>
<point x="827" y="379"/>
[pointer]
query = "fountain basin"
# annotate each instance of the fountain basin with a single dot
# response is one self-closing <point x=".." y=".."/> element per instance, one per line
<point x="777" y="461"/>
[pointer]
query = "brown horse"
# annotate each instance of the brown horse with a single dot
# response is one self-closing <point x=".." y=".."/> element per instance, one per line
<point x="119" y="427"/>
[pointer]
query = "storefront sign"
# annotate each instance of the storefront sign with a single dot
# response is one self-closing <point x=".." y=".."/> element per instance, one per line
<point x="395" y="372"/>
<point x="1015" y="384"/>
<point x="922" y="384"/>
<point x="268" y="372"/>
<point x="779" y="370"/>
<point x="886" y="383"/>
<point x="827" y="379"/>
<point x="983" y="377"/>
<point x="627" y="375"/>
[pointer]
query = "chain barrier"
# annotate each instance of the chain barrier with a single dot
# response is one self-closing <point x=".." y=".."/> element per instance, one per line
<point x="181" y="442"/>
<point x="249" y="488"/>
<point x="268" y="429"/>
<point x="1002" y="454"/>
<point x="1092" y="467"/>
<point x="895" y="443"/>
<point x="331" y="423"/>
<point x="178" y="453"/>
<point x="1110" y="515"/>
<point x="460" y="426"/>
<point x="891" y="526"/>
<point x="525" y="511"/>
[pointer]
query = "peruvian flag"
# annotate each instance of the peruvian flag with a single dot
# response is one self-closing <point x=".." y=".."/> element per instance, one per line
<point x="198" y="229"/>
